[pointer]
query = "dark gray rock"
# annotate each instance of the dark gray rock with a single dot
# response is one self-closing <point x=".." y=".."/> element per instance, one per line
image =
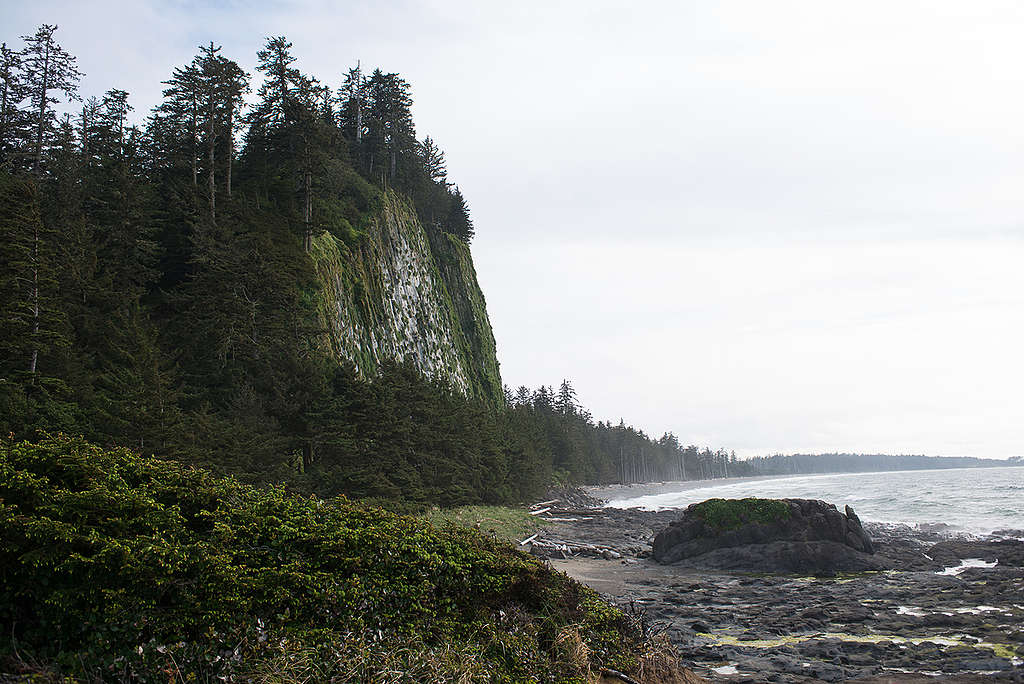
<point x="820" y="558"/>
<point x="815" y="538"/>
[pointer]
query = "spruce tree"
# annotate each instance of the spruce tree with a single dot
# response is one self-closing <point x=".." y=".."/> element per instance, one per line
<point x="33" y="326"/>
<point x="391" y="135"/>
<point x="14" y="121"/>
<point x="281" y="83"/>
<point x="48" y="69"/>
<point x="220" y="85"/>
<point x="352" y="97"/>
<point x="175" y="126"/>
<point x="459" y="222"/>
<point x="433" y="161"/>
<point x="566" y="400"/>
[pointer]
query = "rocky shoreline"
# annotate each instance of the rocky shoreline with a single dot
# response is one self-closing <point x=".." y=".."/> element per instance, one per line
<point x="928" y="616"/>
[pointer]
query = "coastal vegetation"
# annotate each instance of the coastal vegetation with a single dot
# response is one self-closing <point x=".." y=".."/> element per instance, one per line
<point x="731" y="514"/>
<point x="150" y="570"/>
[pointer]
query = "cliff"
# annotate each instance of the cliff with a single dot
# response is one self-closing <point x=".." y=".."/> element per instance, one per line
<point x="395" y="292"/>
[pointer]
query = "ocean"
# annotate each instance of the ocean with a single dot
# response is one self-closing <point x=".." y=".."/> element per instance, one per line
<point x="960" y="500"/>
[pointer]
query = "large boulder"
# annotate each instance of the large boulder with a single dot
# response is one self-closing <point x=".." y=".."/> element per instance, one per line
<point x="767" y="535"/>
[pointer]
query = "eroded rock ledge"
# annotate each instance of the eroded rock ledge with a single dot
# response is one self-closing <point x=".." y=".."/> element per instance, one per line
<point x="767" y="535"/>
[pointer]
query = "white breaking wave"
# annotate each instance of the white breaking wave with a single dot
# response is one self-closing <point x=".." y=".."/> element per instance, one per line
<point x="968" y="500"/>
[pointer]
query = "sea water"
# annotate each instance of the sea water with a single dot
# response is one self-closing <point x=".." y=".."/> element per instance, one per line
<point x="962" y="500"/>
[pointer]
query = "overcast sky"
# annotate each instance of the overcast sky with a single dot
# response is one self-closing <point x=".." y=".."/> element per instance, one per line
<point x="766" y="226"/>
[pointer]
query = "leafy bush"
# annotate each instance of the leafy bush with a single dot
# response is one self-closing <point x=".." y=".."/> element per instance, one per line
<point x="729" y="514"/>
<point x="124" y="566"/>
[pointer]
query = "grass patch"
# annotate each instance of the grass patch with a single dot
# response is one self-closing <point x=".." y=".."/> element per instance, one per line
<point x="119" y="567"/>
<point x="730" y="514"/>
<point x="510" y="524"/>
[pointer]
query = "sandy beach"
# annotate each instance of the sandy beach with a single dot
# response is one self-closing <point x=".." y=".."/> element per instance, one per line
<point x="618" y="492"/>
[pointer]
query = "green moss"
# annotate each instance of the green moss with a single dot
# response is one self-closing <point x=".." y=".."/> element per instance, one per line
<point x="327" y="264"/>
<point x="468" y="313"/>
<point x="952" y="642"/>
<point x="115" y="563"/>
<point x="352" y="282"/>
<point x="730" y="514"/>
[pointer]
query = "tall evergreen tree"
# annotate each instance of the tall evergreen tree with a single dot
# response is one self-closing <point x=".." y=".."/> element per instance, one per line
<point x="14" y="121"/>
<point x="176" y="124"/>
<point x="391" y="135"/>
<point x="33" y="326"/>
<point x="352" y="97"/>
<point x="234" y="86"/>
<point x="220" y="83"/>
<point x="88" y="119"/>
<point x="433" y="161"/>
<point x="48" y="69"/>
<point x="459" y="222"/>
<point x="566" y="401"/>
<point x="111" y="121"/>
<point x="281" y="83"/>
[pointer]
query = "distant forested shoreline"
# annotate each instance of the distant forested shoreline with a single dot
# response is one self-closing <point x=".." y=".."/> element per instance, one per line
<point x="779" y="464"/>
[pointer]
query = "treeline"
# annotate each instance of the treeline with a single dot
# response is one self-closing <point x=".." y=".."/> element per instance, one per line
<point x="157" y="290"/>
<point x="780" y="464"/>
<point x="602" y="452"/>
<point x="291" y="144"/>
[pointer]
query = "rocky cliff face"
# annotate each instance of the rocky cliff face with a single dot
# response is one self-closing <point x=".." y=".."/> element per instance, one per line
<point x="397" y="293"/>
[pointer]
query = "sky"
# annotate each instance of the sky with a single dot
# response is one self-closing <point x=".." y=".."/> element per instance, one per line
<point x="788" y="226"/>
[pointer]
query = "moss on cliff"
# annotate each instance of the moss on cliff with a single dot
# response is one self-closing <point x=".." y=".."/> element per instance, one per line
<point x="401" y="292"/>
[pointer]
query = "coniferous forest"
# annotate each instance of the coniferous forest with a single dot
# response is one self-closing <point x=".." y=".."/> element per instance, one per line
<point x="158" y="292"/>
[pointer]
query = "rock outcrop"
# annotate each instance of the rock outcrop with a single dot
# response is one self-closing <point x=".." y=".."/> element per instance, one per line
<point x="760" y="535"/>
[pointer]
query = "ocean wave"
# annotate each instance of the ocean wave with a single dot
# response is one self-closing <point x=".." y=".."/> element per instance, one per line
<point x="975" y="501"/>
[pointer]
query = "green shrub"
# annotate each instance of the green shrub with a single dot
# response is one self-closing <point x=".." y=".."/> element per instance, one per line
<point x="729" y="514"/>
<point x="133" y="567"/>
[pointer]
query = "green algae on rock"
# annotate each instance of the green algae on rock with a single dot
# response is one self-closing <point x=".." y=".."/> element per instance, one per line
<point x="730" y="514"/>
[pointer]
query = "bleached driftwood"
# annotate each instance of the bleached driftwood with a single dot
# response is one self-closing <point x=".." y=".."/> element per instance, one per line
<point x="618" y="675"/>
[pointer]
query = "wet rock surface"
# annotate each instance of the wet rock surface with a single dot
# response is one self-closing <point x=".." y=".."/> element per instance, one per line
<point x="927" y="617"/>
<point x="811" y="537"/>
